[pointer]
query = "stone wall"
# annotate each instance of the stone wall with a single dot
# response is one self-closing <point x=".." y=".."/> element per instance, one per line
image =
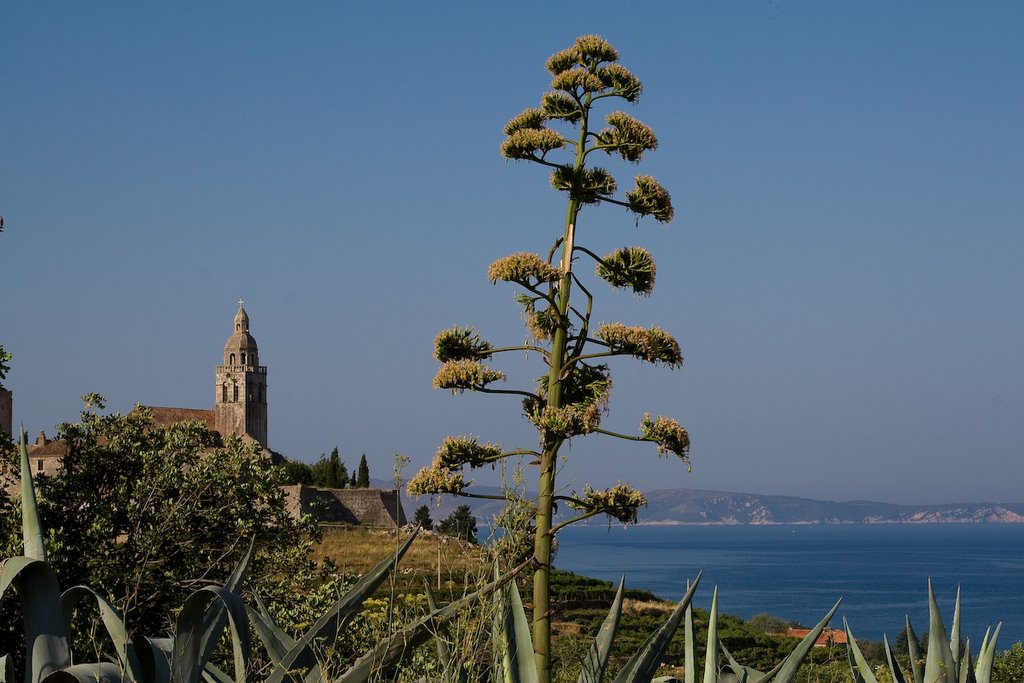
<point x="365" y="507"/>
<point x="6" y="411"/>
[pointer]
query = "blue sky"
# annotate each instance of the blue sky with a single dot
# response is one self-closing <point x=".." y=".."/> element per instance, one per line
<point x="843" y="272"/>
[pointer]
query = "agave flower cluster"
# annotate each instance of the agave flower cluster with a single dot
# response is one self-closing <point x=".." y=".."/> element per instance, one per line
<point x="564" y="133"/>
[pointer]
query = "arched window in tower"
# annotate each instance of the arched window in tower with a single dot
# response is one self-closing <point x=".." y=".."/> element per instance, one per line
<point x="224" y="393"/>
<point x="243" y="357"/>
<point x="236" y="393"/>
<point x="231" y="359"/>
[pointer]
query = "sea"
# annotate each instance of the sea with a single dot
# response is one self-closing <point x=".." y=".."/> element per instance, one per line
<point x="797" y="572"/>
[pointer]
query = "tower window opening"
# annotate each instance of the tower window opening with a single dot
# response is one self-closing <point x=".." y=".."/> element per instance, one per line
<point x="236" y="392"/>
<point x="243" y="357"/>
<point x="231" y="359"/>
<point x="224" y="393"/>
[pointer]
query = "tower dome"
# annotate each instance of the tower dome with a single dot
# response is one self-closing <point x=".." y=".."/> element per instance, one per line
<point x="240" y="348"/>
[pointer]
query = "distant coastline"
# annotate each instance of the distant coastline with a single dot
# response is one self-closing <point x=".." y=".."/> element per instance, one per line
<point x="698" y="507"/>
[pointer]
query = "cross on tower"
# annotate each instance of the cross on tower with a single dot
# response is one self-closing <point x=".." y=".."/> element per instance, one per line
<point x="240" y="301"/>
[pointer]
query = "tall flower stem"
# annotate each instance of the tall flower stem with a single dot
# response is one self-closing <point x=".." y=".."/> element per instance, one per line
<point x="545" y="501"/>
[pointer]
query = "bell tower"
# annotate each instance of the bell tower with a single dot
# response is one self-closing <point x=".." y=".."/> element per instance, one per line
<point x="241" y="384"/>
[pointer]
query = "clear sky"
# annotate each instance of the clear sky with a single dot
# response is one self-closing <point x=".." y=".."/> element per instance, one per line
<point x="844" y="272"/>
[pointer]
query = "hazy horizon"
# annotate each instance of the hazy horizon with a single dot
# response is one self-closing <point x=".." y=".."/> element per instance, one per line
<point x="843" y="272"/>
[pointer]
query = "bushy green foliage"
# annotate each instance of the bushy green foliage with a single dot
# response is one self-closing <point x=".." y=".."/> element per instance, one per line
<point x="1009" y="665"/>
<point x="421" y="518"/>
<point x="461" y="524"/>
<point x="162" y="511"/>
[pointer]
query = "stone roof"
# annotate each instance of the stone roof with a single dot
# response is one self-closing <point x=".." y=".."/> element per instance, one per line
<point x="165" y="417"/>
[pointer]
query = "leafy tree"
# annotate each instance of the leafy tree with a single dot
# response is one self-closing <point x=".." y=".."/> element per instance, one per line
<point x="330" y="472"/>
<point x="771" y="624"/>
<point x="570" y="399"/>
<point x="145" y="515"/>
<point x="297" y="473"/>
<point x="422" y="519"/>
<point x="461" y="524"/>
<point x="363" y="480"/>
<point x="1009" y="665"/>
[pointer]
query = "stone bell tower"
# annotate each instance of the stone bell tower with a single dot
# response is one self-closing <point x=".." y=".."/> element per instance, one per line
<point x="241" y="385"/>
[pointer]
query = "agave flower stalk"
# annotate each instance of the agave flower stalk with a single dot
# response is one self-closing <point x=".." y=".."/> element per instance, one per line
<point x="570" y="399"/>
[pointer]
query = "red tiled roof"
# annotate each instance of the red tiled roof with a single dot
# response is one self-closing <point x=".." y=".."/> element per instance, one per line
<point x="829" y="636"/>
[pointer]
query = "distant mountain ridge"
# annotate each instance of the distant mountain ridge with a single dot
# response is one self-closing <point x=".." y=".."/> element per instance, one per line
<point x="697" y="506"/>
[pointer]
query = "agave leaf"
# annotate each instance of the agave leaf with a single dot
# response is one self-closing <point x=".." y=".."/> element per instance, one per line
<point x="31" y="527"/>
<point x="915" y="654"/>
<point x="690" y="646"/>
<point x="7" y="674"/>
<point x="967" y="665"/>
<point x="939" y="667"/>
<point x="46" y="642"/>
<point x="711" y="647"/>
<point x="444" y="655"/>
<point x="597" y="659"/>
<point x="791" y="664"/>
<point x="269" y="635"/>
<point x="112" y="621"/>
<point x="154" y="656"/>
<point x="389" y="652"/>
<point x="644" y="662"/>
<point x="215" y="618"/>
<point x="986" y="656"/>
<point x="954" y="632"/>
<point x="301" y="656"/>
<point x="97" y="672"/>
<point x="187" y="660"/>
<point x="894" y="666"/>
<point x="212" y="673"/>
<point x="859" y="667"/>
<point x="740" y="673"/>
<point x="513" y="635"/>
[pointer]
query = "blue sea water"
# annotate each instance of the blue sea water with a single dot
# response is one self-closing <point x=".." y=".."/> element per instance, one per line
<point x="798" y="571"/>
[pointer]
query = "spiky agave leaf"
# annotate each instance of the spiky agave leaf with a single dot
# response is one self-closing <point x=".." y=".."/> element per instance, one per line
<point x="187" y="661"/>
<point x="791" y="664"/>
<point x="711" y="647"/>
<point x="47" y="647"/>
<point x="690" y="654"/>
<point x="642" y="665"/>
<point x="859" y="667"/>
<point x="939" y="666"/>
<point x="391" y="651"/>
<point x="510" y="636"/>
<point x="596" y="661"/>
<point x="302" y="656"/>
<point x="112" y="622"/>
<point x="894" y="666"/>
<point x="31" y="527"/>
<point x="215" y="619"/>
<point x="986" y="656"/>
<point x="914" y="652"/>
